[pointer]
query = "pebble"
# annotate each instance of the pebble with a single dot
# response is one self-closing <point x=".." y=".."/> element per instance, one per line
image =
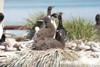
<point x="79" y="45"/>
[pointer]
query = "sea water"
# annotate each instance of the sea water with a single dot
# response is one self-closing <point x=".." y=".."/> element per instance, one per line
<point x="16" y="10"/>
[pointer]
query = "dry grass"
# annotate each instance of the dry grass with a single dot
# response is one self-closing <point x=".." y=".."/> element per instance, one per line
<point x="48" y="58"/>
<point x="52" y="58"/>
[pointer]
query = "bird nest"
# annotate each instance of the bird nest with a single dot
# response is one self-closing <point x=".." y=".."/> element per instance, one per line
<point x="36" y="58"/>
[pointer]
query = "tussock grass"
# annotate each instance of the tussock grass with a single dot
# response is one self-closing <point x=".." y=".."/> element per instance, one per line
<point x="80" y="28"/>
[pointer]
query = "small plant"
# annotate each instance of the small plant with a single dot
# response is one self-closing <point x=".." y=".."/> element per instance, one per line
<point x="80" y="28"/>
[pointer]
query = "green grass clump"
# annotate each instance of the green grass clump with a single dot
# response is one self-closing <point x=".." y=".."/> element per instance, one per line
<point x="31" y="23"/>
<point x="80" y="28"/>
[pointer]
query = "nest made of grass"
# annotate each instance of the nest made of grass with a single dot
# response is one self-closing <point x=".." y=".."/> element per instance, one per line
<point x="47" y="58"/>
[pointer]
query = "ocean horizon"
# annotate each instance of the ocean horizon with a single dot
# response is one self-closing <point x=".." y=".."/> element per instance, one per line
<point x="16" y="10"/>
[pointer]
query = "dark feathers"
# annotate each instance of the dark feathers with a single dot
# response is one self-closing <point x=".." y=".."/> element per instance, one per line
<point x="97" y="18"/>
<point x="60" y="26"/>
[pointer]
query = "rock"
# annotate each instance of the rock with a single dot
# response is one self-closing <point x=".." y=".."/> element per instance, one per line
<point x="2" y="55"/>
<point x="95" y="49"/>
<point x="98" y="43"/>
<point x="71" y="45"/>
<point x="94" y="44"/>
<point x="83" y="47"/>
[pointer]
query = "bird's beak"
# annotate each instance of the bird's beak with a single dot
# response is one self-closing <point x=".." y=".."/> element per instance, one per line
<point x="46" y="15"/>
<point x="57" y="15"/>
<point x="60" y="13"/>
<point x="40" y="20"/>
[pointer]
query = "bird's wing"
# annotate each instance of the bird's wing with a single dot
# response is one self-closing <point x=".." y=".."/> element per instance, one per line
<point x="44" y="33"/>
<point x="1" y="31"/>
